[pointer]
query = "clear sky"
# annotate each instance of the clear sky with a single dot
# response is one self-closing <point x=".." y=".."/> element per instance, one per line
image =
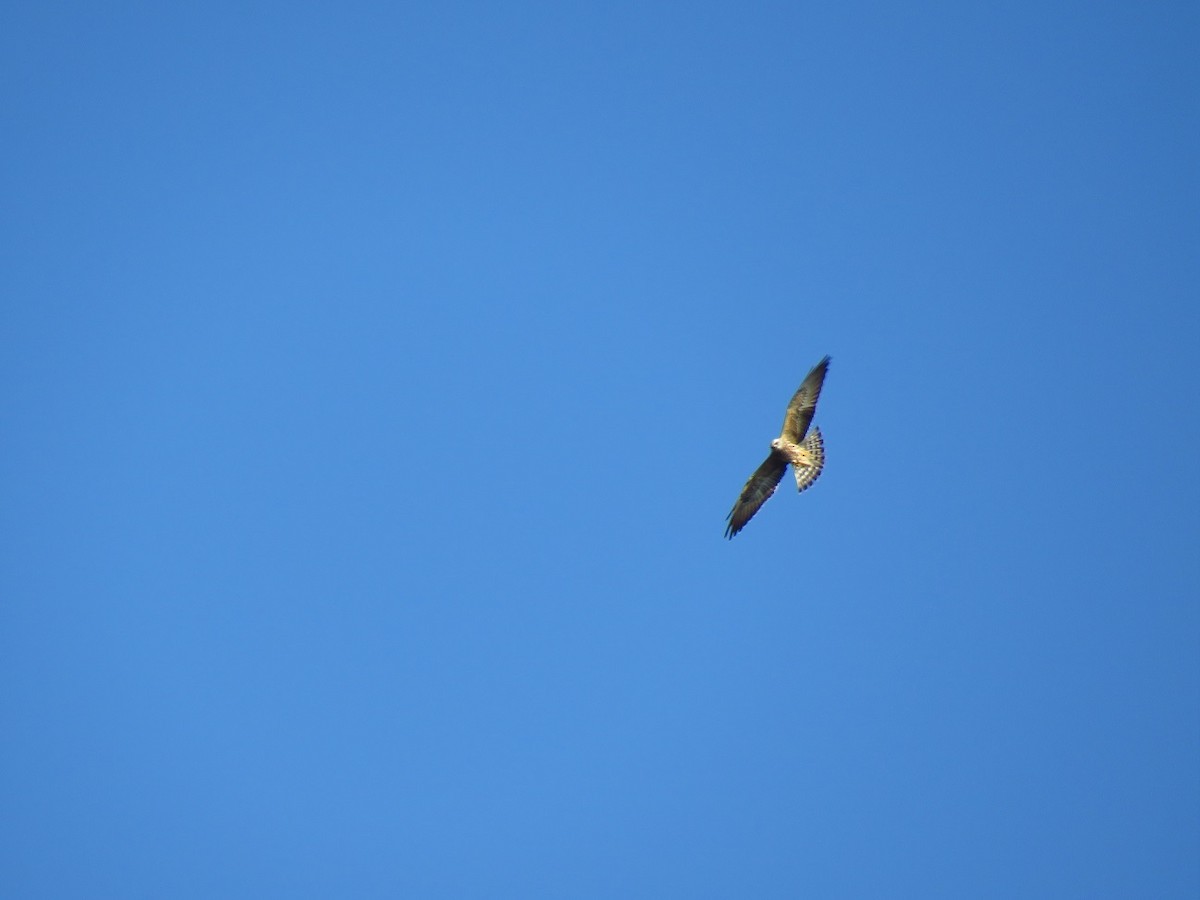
<point x="376" y="379"/>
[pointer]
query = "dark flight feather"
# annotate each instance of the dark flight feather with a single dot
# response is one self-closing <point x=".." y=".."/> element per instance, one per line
<point x="756" y="492"/>
<point x="804" y="403"/>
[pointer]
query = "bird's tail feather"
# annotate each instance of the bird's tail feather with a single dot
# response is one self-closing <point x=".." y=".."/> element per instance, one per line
<point x="815" y="445"/>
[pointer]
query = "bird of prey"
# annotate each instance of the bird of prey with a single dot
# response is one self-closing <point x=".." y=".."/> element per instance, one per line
<point x="806" y="454"/>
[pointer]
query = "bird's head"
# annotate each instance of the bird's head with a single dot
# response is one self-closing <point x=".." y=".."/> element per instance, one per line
<point x="777" y="444"/>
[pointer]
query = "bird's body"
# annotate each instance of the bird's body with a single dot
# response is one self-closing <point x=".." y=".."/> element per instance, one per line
<point x="795" y="446"/>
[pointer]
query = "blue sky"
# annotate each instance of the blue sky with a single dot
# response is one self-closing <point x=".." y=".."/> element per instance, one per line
<point x="377" y="378"/>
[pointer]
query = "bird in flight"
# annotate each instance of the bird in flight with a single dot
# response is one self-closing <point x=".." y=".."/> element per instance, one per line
<point x="806" y="454"/>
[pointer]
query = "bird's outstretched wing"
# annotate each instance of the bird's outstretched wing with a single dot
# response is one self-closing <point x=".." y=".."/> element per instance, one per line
<point x="758" y="489"/>
<point x="804" y="403"/>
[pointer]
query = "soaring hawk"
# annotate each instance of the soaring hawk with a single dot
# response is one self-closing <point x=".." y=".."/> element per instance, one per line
<point x="806" y="454"/>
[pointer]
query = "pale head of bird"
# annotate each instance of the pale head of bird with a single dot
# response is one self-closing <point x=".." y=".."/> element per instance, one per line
<point x="777" y="444"/>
